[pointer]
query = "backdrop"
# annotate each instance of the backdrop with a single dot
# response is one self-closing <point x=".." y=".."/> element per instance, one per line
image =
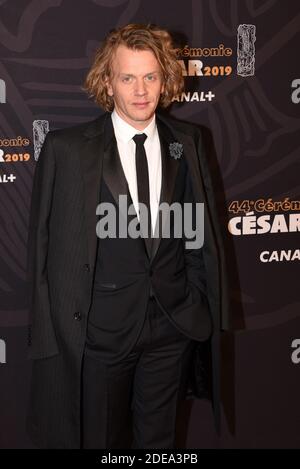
<point x="241" y="66"/>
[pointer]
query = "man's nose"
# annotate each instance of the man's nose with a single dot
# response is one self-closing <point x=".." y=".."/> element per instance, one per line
<point x="140" y="87"/>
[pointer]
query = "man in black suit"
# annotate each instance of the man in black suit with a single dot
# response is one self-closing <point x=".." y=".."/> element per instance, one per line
<point x="115" y="319"/>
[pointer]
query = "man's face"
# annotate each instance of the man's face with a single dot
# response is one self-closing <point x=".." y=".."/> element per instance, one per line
<point x="136" y="85"/>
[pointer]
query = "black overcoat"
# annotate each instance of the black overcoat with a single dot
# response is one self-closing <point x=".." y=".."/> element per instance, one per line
<point x="61" y="261"/>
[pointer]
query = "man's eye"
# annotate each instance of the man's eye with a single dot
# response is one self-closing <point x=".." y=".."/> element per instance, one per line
<point x="150" y="77"/>
<point x="126" y="79"/>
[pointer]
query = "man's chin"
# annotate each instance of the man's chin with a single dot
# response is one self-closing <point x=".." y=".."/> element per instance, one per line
<point x="137" y="116"/>
<point x="142" y="115"/>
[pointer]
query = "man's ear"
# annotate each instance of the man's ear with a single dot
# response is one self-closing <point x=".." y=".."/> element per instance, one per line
<point x="108" y="87"/>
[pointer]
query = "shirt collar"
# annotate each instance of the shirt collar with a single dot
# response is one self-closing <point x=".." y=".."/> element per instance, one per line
<point x="126" y="132"/>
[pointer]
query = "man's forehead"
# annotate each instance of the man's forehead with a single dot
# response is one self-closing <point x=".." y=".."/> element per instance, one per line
<point x="125" y="57"/>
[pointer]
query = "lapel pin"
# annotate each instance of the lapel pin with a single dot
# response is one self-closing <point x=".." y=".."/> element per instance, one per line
<point x="176" y="150"/>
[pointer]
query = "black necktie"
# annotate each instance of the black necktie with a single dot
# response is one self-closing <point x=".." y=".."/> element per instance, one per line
<point x="143" y="180"/>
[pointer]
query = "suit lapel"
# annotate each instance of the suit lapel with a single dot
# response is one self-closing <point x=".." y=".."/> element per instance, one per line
<point x="169" y="173"/>
<point x="113" y="173"/>
<point x="169" y="133"/>
<point x="191" y="157"/>
<point x="193" y="163"/>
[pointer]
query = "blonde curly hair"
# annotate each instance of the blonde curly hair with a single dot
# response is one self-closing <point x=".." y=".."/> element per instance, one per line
<point x="135" y="37"/>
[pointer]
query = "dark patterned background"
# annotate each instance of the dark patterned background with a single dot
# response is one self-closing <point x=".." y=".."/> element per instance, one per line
<point x="46" y="49"/>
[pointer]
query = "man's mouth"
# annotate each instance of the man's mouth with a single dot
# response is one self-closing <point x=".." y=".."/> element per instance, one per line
<point x="142" y="104"/>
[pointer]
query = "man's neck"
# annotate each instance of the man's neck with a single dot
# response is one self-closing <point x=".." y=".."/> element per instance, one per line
<point x="140" y="127"/>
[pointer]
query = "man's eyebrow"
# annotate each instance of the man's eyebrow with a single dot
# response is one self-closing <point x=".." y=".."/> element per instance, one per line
<point x="131" y="75"/>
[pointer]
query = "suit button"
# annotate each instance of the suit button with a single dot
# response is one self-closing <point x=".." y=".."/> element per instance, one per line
<point x="77" y="316"/>
<point x="87" y="267"/>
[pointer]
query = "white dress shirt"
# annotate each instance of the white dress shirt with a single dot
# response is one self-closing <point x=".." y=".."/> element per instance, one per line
<point x="124" y="133"/>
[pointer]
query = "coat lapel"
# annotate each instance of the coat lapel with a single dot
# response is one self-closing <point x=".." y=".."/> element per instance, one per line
<point x="91" y="156"/>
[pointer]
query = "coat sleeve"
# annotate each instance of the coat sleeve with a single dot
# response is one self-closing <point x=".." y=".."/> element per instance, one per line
<point x="42" y="341"/>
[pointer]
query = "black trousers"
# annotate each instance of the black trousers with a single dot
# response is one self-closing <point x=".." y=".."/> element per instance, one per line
<point x="134" y="403"/>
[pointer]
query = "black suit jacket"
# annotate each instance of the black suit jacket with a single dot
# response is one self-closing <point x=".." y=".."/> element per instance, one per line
<point x="127" y="272"/>
<point x="61" y="263"/>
